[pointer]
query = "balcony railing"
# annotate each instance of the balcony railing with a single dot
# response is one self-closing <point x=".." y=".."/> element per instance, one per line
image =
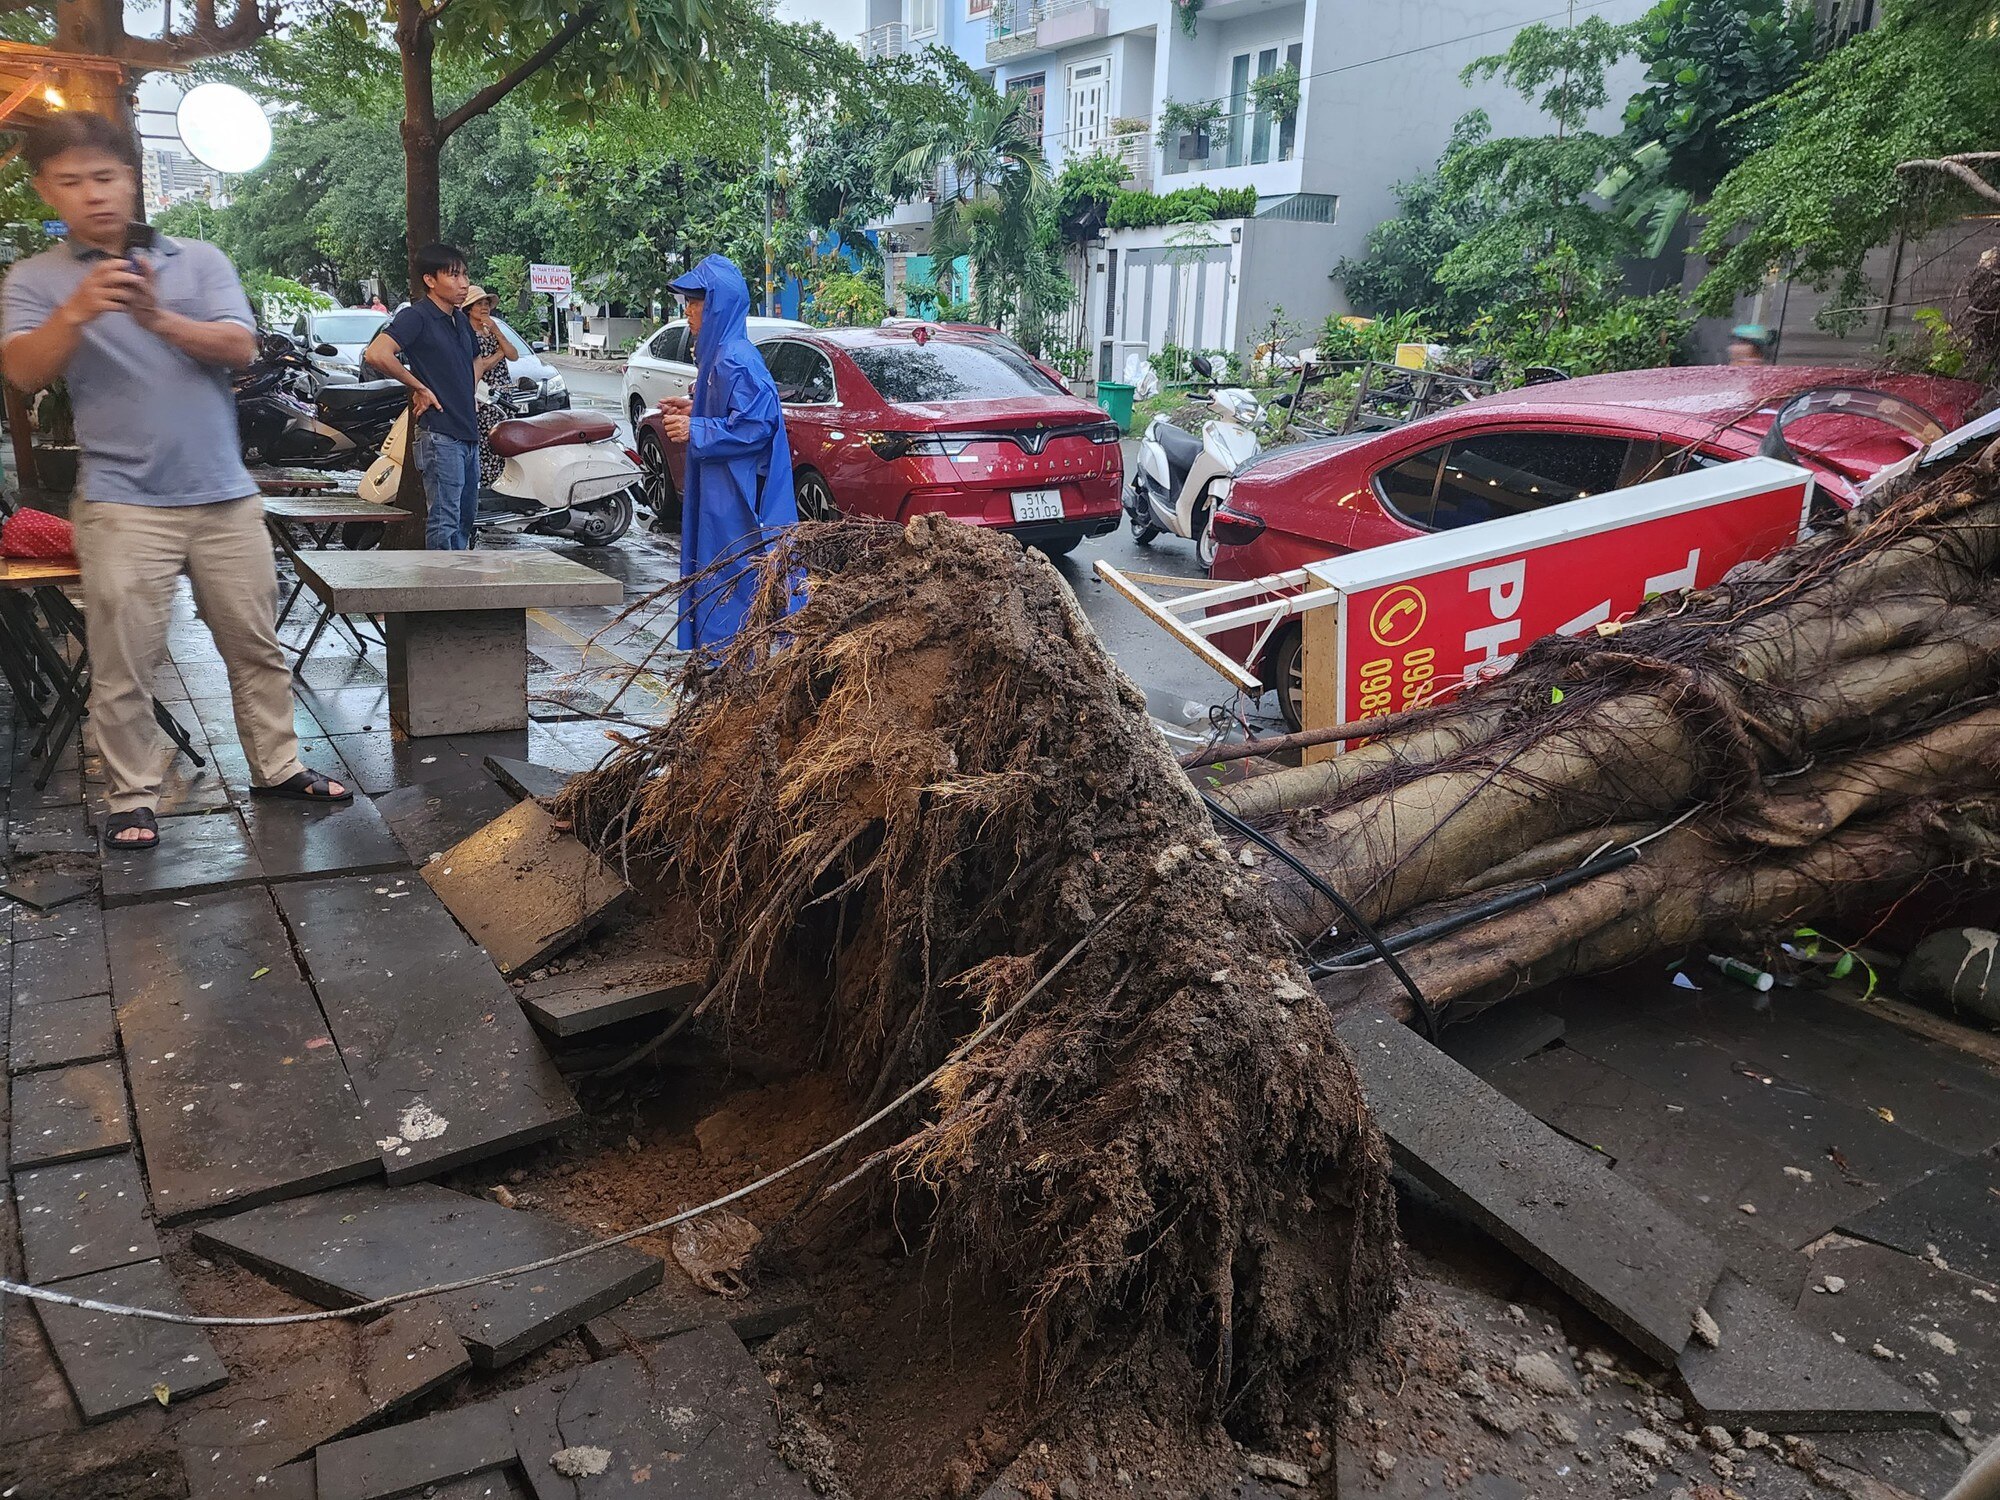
<point x="1135" y="150"/>
<point x="880" y="43"/>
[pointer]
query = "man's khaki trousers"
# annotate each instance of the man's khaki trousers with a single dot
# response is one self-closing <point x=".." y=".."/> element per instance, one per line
<point x="132" y="556"/>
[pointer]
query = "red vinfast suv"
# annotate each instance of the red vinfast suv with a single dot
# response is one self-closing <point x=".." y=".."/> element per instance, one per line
<point x="1541" y="445"/>
<point x="889" y="423"/>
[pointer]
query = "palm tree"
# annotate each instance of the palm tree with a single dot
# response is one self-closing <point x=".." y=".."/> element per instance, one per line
<point x="991" y="177"/>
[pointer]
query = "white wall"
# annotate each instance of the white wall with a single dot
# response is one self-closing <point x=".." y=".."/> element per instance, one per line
<point x="1383" y="118"/>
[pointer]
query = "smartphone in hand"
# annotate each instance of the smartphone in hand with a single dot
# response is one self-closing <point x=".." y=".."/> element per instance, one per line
<point x="138" y="236"/>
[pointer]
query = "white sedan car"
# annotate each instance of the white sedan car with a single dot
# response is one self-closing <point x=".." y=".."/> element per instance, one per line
<point x="663" y="365"/>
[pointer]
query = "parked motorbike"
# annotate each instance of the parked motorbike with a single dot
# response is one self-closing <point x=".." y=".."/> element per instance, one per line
<point x="1172" y="484"/>
<point x="565" y="474"/>
<point x="289" y="417"/>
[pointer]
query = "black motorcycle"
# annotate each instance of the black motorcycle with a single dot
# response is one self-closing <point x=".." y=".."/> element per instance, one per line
<point x="287" y="418"/>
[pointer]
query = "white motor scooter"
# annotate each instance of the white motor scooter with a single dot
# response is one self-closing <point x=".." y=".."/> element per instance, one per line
<point x="565" y="474"/>
<point x="1173" y="483"/>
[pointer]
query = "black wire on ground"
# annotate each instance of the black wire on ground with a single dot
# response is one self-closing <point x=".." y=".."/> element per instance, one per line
<point x="1425" y="1010"/>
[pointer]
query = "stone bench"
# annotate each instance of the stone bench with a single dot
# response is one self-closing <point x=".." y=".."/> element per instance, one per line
<point x="457" y="625"/>
<point x="590" y="345"/>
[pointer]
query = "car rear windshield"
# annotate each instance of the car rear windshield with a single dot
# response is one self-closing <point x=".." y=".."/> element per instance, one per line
<point x="347" y="328"/>
<point x="938" y="371"/>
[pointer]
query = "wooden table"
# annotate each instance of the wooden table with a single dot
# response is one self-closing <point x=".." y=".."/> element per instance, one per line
<point x="46" y="658"/>
<point x="297" y="520"/>
<point x="457" y="625"/>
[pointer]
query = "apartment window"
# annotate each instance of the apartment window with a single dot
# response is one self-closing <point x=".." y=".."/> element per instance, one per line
<point x="1288" y="129"/>
<point x="1239" y="105"/>
<point x="1254" y="134"/>
<point x="923" y="16"/>
<point x="1034" y="112"/>
<point x="976" y="8"/>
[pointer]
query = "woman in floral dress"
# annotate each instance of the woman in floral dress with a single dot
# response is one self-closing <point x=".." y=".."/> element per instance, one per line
<point x="495" y="349"/>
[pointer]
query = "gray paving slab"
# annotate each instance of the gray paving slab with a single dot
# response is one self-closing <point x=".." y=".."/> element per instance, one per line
<point x="698" y="1397"/>
<point x="196" y="854"/>
<point x="240" y="1091"/>
<point x="1500" y="1035"/>
<point x="381" y="763"/>
<point x="525" y="778"/>
<point x="44" y="890"/>
<point x="366" y="1373"/>
<point x="112" y="1363"/>
<point x="1841" y="1053"/>
<point x="61" y="968"/>
<point x="70" y="923"/>
<point x="446" y="1067"/>
<point x="608" y="991"/>
<point x="433" y="816"/>
<point x="456" y="582"/>
<point x="493" y="1484"/>
<point x="349" y="710"/>
<point x="364" y="1242"/>
<point x="1641" y="1269"/>
<point x="1801" y="1126"/>
<point x="60" y="1033"/>
<point x="83" y="1217"/>
<point x="525" y="889"/>
<point x="411" y="1456"/>
<point x="1695" y="1154"/>
<point x="296" y="840"/>
<point x="1773" y="1373"/>
<point x="68" y="1114"/>
<point x="50" y="830"/>
<point x="1956" y="1211"/>
<point x="1941" y="1333"/>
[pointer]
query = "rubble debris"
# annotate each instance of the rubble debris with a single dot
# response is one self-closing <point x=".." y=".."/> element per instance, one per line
<point x="584" y="1462"/>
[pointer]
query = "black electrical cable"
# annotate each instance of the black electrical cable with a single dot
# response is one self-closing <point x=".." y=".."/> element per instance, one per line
<point x="1346" y="908"/>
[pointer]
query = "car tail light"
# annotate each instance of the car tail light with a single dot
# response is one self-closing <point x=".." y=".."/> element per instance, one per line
<point x="1233" y="528"/>
<point x="895" y="445"/>
<point x="1103" y="433"/>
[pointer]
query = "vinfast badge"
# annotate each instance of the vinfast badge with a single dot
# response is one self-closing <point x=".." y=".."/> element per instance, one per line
<point x="1417" y="618"/>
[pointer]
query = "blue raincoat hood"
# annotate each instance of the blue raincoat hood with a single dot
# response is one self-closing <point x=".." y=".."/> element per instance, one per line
<point x="737" y="498"/>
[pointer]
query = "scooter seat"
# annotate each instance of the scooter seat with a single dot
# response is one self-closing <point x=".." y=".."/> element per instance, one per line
<point x="1181" y="447"/>
<point x="518" y="435"/>
<point x="357" y="393"/>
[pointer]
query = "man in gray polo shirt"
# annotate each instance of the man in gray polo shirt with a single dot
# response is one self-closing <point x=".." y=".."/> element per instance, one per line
<point x="146" y="343"/>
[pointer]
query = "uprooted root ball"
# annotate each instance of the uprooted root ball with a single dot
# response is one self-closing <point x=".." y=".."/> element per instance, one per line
<point x="891" y="811"/>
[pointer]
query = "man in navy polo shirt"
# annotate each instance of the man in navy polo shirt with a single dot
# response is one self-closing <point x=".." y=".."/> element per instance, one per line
<point x="434" y="335"/>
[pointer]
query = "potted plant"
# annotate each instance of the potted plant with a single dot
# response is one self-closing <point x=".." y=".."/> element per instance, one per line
<point x="55" y="454"/>
<point x="1187" y="12"/>
<point x="1192" y="131"/>
<point x="1277" y="93"/>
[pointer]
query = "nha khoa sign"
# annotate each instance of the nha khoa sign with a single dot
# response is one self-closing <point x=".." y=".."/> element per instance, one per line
<point x="1396" y="626"/>
<point x="555" y="280"/>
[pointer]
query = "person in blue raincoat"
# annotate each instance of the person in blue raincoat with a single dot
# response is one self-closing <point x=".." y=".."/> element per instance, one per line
<point x="737" y="496"/>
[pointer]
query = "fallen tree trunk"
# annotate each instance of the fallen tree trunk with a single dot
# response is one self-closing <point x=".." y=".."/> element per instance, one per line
<point x="1820" y="724"/>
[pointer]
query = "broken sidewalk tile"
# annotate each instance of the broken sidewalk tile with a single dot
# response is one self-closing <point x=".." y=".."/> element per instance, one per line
<point x="433" y="816"/>
<point x="60" y="968"/>
<point x="239" y="1090"/>
<point x="1640" y="1268"/>
<point x="1956" y="1209"/>
<point x="61" y="1033"/>
<point x="698" y="1397"/>
<point x="367" y="1371"/>
<point x="1941" y="1331"/>
<point x="361" y="1243"/>
<point x="608" y="991"/>
<point x="675" y="1307"/>
<point x="83" y="1217"/>
<point x="445" y="1066"/>
<point x="69" y="1114"/>
<point x="50" y="830"/>
<point x="525" y="889"/>
<point x="1500" y="1035"/>
<point x="525" y="780"/>
<point x="1771" y="1372"/>
<point x="114" y="1363"/>
<point x="205" y="853"/>
<point x="296" y="840"/>
<point x="67" y="923"/>
<point x="44" y="890"/>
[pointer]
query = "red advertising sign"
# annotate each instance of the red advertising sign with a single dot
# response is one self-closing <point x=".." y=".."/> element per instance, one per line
<point x="1417" y="618"/>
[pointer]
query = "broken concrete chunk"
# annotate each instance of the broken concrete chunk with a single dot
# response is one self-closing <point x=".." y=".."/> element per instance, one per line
<point x="1540" y="1373"/>
<point x="1705" y="1329"/>
<point x="1282" y="1470"/>
<point x="1650" y="1444"/>
<point x="583" y="1462"/>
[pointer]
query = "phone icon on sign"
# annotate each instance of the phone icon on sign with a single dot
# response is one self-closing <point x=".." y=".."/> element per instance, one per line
<point x="1397" y="615"/>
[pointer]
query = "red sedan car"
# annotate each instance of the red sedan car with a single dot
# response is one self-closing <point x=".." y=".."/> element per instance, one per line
<point x="1542" y="445"/>
<point x="889" y="423"/>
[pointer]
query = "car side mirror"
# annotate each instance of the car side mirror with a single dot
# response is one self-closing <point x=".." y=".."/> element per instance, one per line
<point x="539" y="346"/>
<point x="324" y="349"/>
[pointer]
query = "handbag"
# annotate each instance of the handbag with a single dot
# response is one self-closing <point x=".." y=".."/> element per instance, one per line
<point x="35" y="534"/>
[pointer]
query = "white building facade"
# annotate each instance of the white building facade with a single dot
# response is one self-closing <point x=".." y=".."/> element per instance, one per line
<point x="1378" y="94"/>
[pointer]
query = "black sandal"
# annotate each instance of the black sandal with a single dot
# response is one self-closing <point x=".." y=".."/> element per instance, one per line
<point x="140" y="818"/>
<point x="306" y="786"/>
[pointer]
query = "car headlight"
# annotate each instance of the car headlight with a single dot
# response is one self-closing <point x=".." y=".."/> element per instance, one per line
<point x="555" y="385"/>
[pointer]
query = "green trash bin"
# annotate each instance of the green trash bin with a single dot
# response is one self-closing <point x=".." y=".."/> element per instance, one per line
<point x="1114" y="398"/>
